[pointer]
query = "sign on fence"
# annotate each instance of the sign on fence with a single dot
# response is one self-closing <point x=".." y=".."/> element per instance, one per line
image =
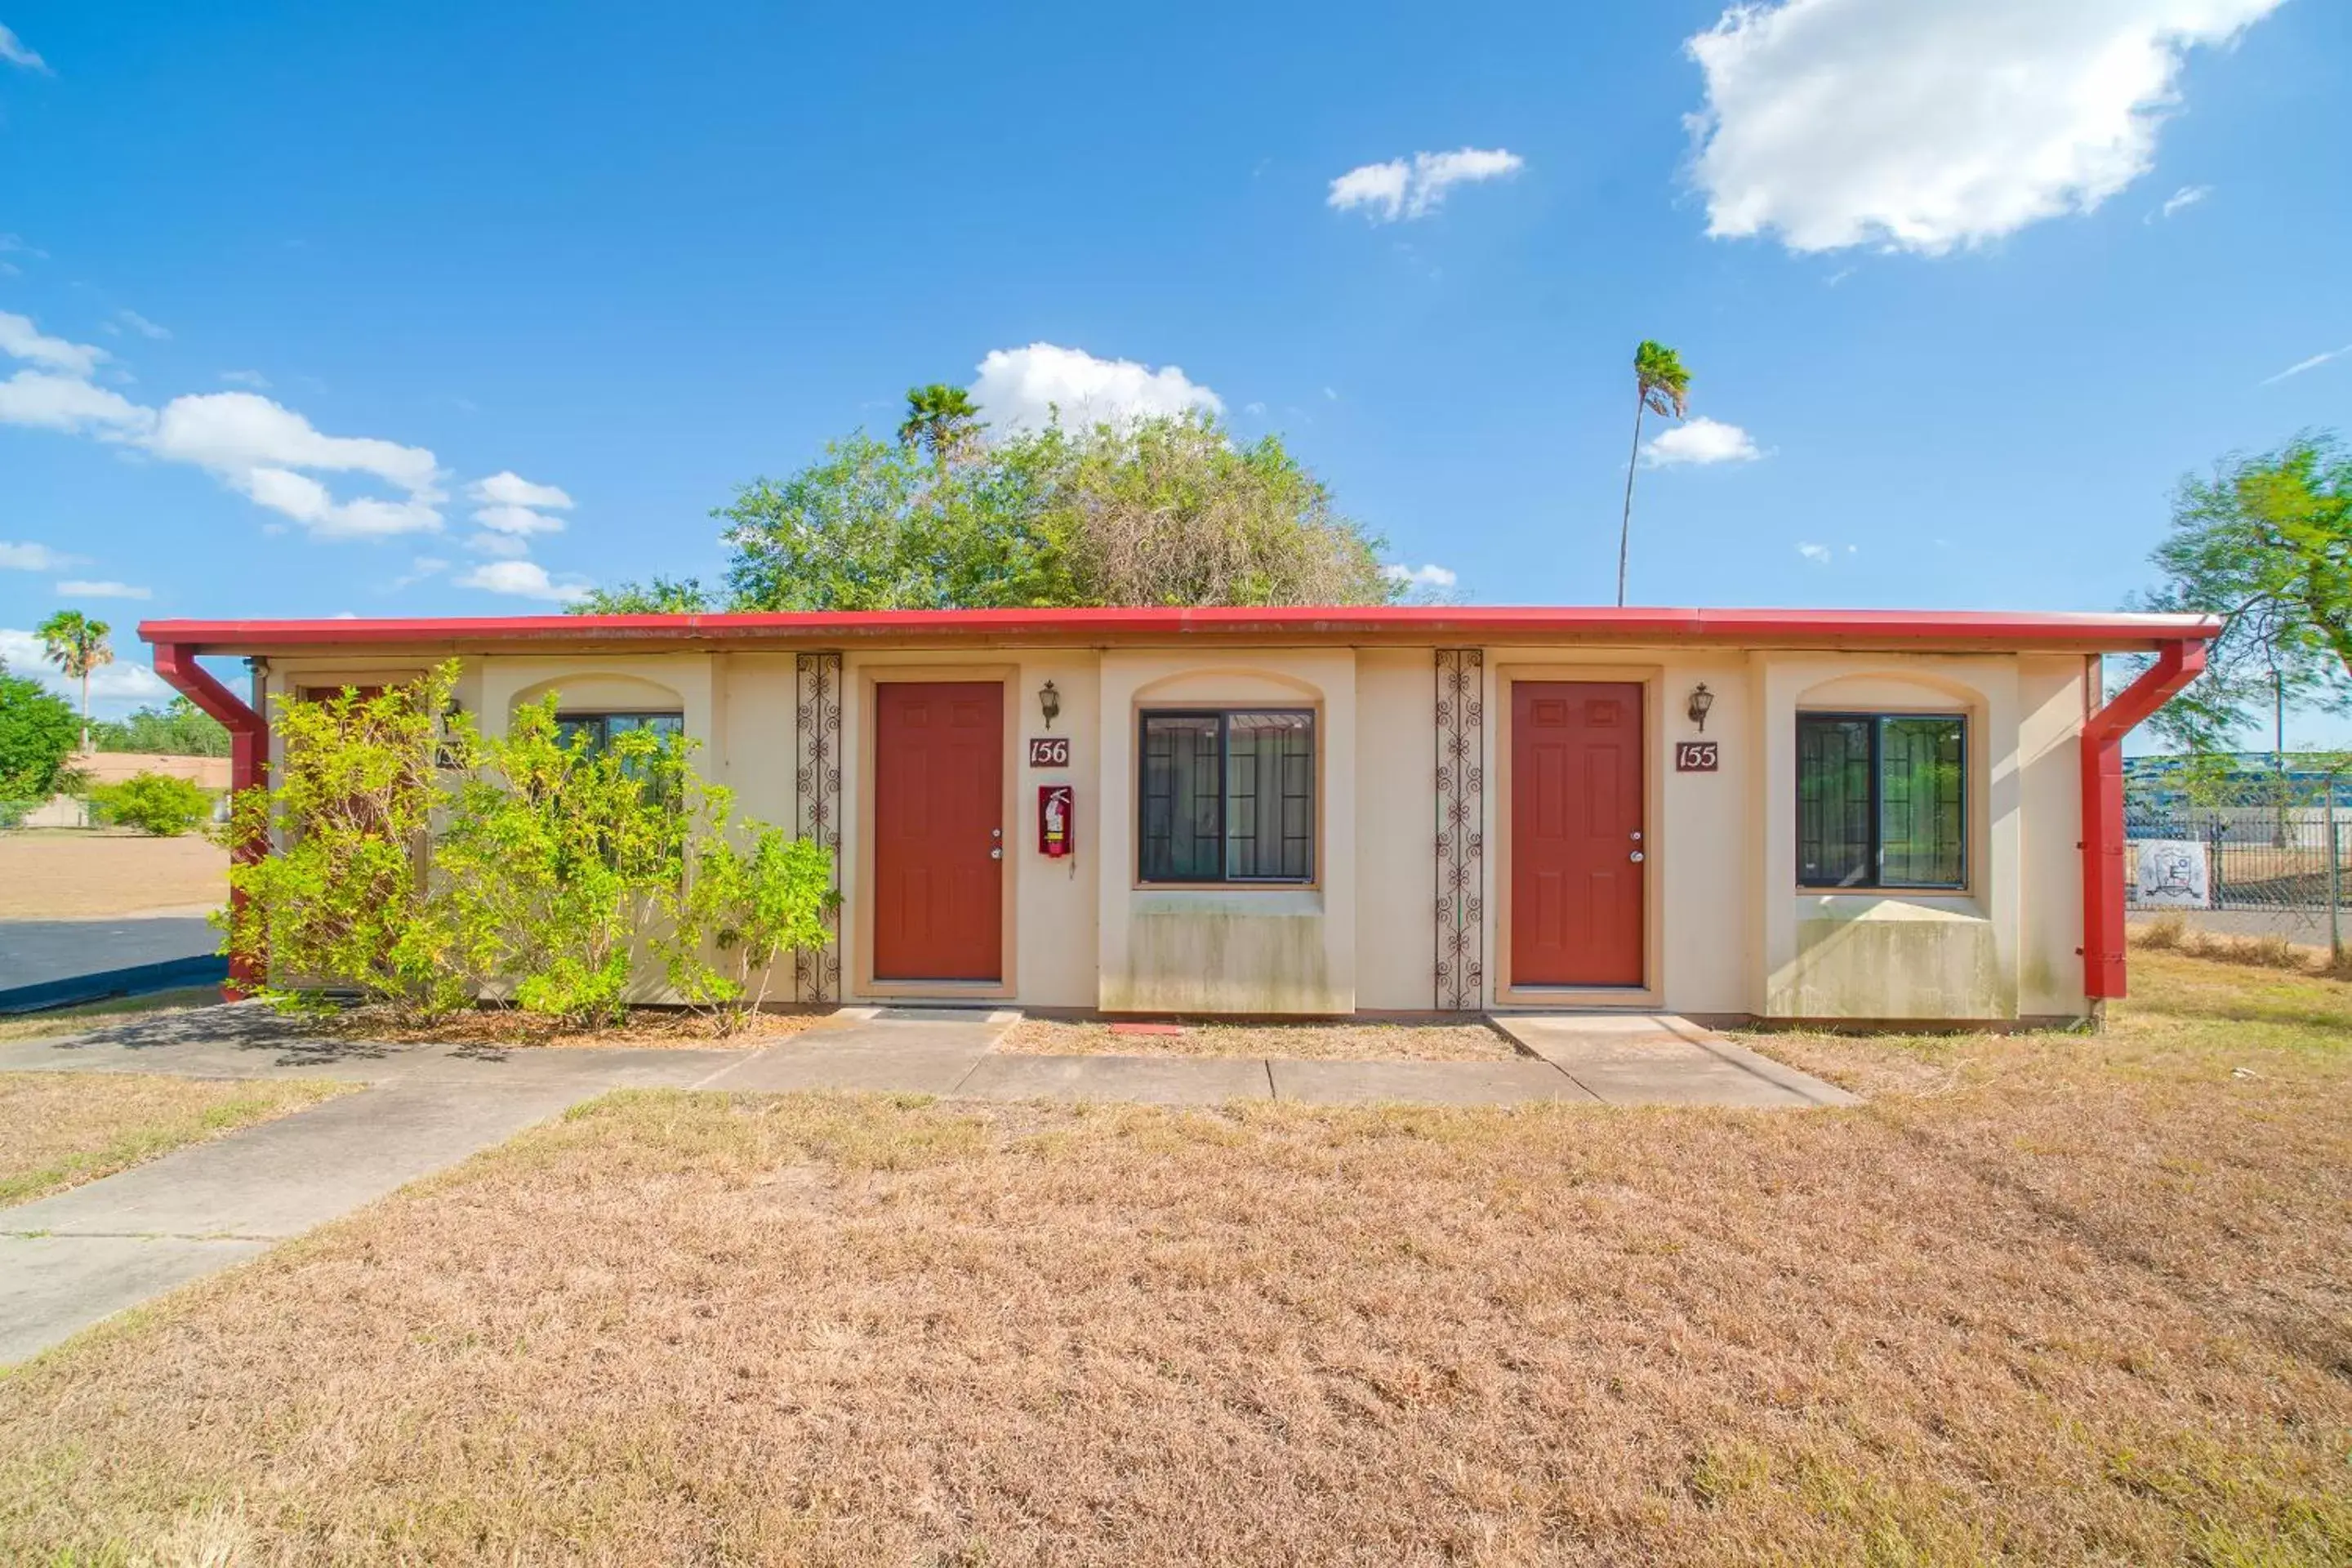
<point x="2173" y="873"/>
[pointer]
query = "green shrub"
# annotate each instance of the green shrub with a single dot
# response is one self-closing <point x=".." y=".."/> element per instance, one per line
<point x="562" y="859"/>
<point x="152" y="802"/>
<point x="38" y="732"/>
<point x="418" y="860"/>
<point x="342" y="900"/>
<point x="755" y="896"/>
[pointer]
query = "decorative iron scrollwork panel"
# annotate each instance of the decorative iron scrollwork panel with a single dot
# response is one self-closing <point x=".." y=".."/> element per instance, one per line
<point x="816" y="793"/>
<point x="1461" y="829"/>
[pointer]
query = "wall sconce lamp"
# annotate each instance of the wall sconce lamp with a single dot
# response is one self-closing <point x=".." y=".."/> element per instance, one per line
<point x="1701" y="699"/>
<point x="1050" y="702"/>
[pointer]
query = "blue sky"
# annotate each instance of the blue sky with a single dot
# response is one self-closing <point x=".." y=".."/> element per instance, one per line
<point x="297" y="299"/>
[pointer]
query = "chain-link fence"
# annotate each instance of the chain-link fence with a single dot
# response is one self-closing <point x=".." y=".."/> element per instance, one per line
<point x="2255" y="870"/>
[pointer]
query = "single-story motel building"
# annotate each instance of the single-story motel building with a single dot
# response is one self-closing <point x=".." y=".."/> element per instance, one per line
<point x="1732" y="814"/>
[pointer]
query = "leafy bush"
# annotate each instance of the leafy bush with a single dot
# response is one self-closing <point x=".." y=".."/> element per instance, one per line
<point x="343" y="899"/>
<point x="13" y="812"/>
<point x="419" y="861"/>
<point x="152" y="802"/>
<point x="755" y="895"/>
<point x="38" y="733"/>
<point x="561" y="859"/>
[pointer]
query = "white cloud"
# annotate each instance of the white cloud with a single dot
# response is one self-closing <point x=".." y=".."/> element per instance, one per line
<point x="1922" y="127"/>
<point x="1398" y="189"/>
<point x="20" y="339"/>
<point x="141" y="325"/>
<point x="234" y="431"/>
<point x="511" y="488"/>
<point x="107" y="589"/>
<point x="1019" y="389"/>
<point x="1701" y="440"/>
<point x="1429" y="576"/>
<point x="2313" y="363"/>
<point x="514" y="506"/>
<point x="12" y="51"/>
<point x="1819" y="554"/>
<point x="524" y="579"/>
<point x="2186" y="197"/>
<point x="121" y="684"/>
<point x="33" y="558"/>
<point x="419" y="569"/>
<point x="68" y="403"/>
<point x="257" y="446"/>
<point x="252" y="378"/>
<point x="506" y="546"/>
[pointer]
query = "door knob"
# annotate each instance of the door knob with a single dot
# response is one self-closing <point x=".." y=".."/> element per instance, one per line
<point x="996" y="853"/>
<point x="1635" y="856"/>
<point x="1637" y="835"/>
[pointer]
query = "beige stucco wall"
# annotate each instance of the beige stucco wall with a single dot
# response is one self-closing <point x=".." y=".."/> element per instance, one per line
<point x="1730" y="932"/>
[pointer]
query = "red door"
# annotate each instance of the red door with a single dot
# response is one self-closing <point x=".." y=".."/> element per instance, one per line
<point x="1577" y="850"/>
<point x="939" y="871"/>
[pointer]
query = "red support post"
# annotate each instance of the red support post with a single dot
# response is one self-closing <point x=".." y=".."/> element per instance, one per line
<point x="2103" y="810"/>
<point x="248" y="761"/>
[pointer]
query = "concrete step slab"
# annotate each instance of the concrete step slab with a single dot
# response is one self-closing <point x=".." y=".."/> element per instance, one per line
<point x="1422" y="1083"/>
<point x="1145" y="1080"/>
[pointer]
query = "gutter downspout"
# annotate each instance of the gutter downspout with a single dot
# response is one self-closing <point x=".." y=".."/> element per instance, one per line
<point x="248" y="752"/>
<point x="2103" y="812"/>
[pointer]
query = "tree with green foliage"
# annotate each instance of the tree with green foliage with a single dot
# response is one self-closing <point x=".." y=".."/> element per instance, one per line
<point x="178" y="729"/>
<point x="871" y="525"/>
<point x="76" y="645"/>
<point x="37" y="736"/>
<point x="1173" y="512"/>
<point x="160" y="804"/>
<point x="2266" y="544"/>
<point x="1164" y="511"/>
<point x="942" y="423"/>
<point x="659" y="596"/>
<point x="1661" y="386"/>
<point x="1168" y="510"/>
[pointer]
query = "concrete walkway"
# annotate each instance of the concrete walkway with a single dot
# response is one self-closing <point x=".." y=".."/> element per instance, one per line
<point x="68" y="1262"/>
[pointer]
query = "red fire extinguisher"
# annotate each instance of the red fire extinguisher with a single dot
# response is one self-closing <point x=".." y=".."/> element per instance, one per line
<point x="1057" y="820"/>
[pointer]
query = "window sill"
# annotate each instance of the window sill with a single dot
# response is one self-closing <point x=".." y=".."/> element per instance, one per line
<point x="1227" y="898"/>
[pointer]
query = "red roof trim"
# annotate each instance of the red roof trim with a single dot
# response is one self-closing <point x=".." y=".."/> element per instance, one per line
<point x="1376" y="623"/>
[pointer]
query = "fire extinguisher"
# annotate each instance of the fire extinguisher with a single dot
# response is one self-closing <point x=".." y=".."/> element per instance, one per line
<point x="1057" y="820"/>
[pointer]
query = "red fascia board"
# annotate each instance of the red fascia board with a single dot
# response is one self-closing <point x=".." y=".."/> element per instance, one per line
<point x="1922" y="628"/>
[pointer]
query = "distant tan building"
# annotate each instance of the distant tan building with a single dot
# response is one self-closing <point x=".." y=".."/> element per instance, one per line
<point x="1730" y="813"/>
<point x="113" y="767"/>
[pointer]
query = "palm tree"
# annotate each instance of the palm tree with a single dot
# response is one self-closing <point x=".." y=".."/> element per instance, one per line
<point x="942" y="420"/>
<point x="76" y="645"/>
<point x="1661" y="385"/>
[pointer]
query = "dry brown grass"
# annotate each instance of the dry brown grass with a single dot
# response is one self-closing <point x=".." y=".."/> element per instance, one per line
<point x="1325" y="1042"/>
<point x="2054" y="1299"/>
<point x="644" y="1027"/>
<point x="2173" y="933"/>
<point x="58" y="1130"/>
<point x="81" y="874"/>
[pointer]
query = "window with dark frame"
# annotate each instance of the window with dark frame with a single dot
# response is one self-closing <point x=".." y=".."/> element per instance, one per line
<point x="1881" y="800"/>
<point x="600" y="728"/>
<point x="1227" y="796"/>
